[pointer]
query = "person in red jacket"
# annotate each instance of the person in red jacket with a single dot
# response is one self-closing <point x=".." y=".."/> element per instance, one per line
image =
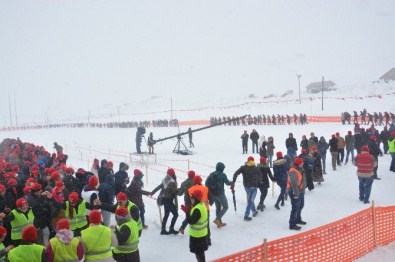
<point x="365" y="163"/>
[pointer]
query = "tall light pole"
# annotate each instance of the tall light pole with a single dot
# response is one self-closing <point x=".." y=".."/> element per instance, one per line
<point x="299" y="76"/>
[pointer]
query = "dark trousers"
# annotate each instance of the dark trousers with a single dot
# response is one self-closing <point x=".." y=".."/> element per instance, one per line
<point x="128" y="257"/>
<point x="281" y="196"/>
<point x="200" y="257"/>
<point x="340" y="156"/>
<point x="263" y="190"/>
<point x="296" y="210"/>
<point x="169" y="207"/>
<point x="365" y="187"/>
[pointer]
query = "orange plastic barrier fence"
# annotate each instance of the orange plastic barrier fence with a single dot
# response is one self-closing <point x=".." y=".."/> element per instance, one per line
<point x="344" y="240"/>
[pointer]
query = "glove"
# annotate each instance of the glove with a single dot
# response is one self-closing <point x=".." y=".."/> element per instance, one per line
<point x="232" y="187"/>
<point x="185" y="209"/>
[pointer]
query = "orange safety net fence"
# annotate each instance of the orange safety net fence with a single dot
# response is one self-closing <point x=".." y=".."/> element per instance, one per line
<point x="344" y="240"/>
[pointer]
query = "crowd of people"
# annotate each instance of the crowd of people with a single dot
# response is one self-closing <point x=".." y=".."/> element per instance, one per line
<point x="39" y="191"/>
<point x="278" y="119"/>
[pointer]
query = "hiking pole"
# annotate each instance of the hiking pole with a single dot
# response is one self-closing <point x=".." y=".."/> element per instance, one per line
<point x="234" y="199"/>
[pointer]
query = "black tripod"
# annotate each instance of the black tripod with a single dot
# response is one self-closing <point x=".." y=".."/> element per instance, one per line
<point x="177" y="149"/>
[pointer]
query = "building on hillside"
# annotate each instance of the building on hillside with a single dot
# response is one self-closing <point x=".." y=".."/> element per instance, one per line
<point x="316" y="87"/>
<point x="389" y="76"/>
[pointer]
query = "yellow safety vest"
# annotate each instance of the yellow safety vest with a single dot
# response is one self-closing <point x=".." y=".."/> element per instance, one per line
<point x="199" y="229"/>
<point x="79" y="220"/>
<point x="391" y="146"/>
<point x="65" y="252"/>
<point x="23" y="253"/>
<point x="97" y="240"/>
<point x="132" y="244"/>
<point x="129" y="206"/>
<point x="20" y="222"/>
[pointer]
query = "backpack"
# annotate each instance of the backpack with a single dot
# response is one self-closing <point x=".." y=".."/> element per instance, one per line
<point x="212" y="185"/>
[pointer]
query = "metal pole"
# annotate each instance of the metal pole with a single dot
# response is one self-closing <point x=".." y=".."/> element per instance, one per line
<point x="322" y="94"/>
<point x="9" y="103"/>
<point x="16" y="115"/>
<point x="299" y="76"/>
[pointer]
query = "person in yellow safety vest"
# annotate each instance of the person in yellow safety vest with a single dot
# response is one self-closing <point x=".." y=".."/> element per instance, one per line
<point x="296" y="188"/>
<point x="127" y="235"/>
<point x="64" y="246"/>
<point x="19" y="218"/>
<point x="198" y="219"/>
<point x="3" y="250"/>
<point x="75" y="211"/>
<point x="28" y="250"/>
<point x="97" y="239"/>
<point x="197" y="185"/>
<point x="122" y="201"/>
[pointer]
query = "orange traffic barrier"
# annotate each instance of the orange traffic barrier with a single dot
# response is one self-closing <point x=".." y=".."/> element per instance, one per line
<point x="344" y="240"/>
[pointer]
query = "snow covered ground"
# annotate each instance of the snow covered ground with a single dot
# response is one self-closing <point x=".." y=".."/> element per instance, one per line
<point x="336" y="198"/>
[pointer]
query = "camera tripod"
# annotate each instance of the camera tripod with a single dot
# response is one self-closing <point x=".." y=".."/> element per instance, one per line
<point x="177" y="147"/>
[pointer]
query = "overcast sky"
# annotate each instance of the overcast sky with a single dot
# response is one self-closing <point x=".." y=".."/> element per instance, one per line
<point x="66" y="58"/>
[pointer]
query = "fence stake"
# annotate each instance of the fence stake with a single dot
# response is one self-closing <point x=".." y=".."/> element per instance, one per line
<point x="264" y="250"/>
<point x="374" y="225"/>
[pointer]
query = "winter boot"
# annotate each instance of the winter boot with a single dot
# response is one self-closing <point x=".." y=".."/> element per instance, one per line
<point x="172" y="231"/>
<point x="181" y="230"/>
<point x="295" y="227"/>
<point x="260" y="206"/>
<point x="222" y="224"/>
<point x="282" y="203"/>
<point x="164" y="232"/>
<point x="276" y="206"/>
<point x="217" y="222"/>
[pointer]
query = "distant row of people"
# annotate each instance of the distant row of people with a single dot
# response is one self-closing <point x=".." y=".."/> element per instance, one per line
<point x="366" y="118"/>
<point x="278" y="119"/>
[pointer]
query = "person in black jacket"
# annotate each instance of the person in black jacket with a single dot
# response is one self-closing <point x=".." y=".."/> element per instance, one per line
<point x="265" y="184"/>
<point x="244" y="141"/>
<point x="374" y="150"/>
<point x="103" y="170"/>
<point x="254" y="136"/>
<point x="121" y="178"/>
<point x="291" y="145"/>
<point x="280" y="170"/>
<point x="252" y="176"/>
<point x="106" y="195"/>
<point x="333" y="150"/>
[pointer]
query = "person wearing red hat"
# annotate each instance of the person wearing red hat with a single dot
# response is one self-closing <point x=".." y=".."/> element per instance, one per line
<point x="28" y="250"/>
<point x="296" y="189"/>
<point x="264" y="186"/>
<point x="280" y="171"/>
<point x="252" y="176"/>
<point x="19" y="217"/>
<point x="168" y="193"/>
<point x="64" y="246"/>
<point x="104" y="170"/>
<point x="135" y="193"/>
<point x="75" y="211"/>
<point x="333" y="148"/>
<point x="197" y="186"/>
<point x="90" y="192"/>
<point x="375" y="151"/>
<point x="308" y="168"/>
<point x="122" y="200"/>
<point x="391" y="150"/>
<point x="183" y="190"/>
<point x="244" y="141"/>
<point x="365" y="163"/>
<point x="40" y="203"/>
<point x="4" y="250"/>
<point x="95" y="167"/>
<point x="127" y="234"/>
<point x="96" y="239"/>
<point x="197" y="217"/>
<point x="349" y="139"/>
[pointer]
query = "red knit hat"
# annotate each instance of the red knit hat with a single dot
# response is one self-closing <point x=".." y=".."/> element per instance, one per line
<point x="262" y="160"/>
<point x="279" y="154"/>
<point x="36" y="187"/>
<point x="2" y="188"/>
<point x="197" y="180"/>
<point x="191" y="174"/>
<point x="93" y="181"/>
<point x="12" y="182"/>
<point x="373" y="138"/>
<point x="26" y="190"/>
<point x="393" y="134"/>
<point x="171" y="172"/>
<point x="62" y="223"/>
<point x="137" y="172"/>
<point x="20" y="202"/>
<point x="250" y="158"/>
<point x="198" y="195"/>
<point x="29" y="234"/>
<point x="365" y="148"/>
<point x="59" y="183"/>
<point x="298" y="161"/>
<point x="73" y="197"/>
<point x="349" y="132"/>
<point x="122" y="211"/>
<point x="313" y="148"/>
<point x="55" y="175"/>
<point x="122" y="196"/>
<point x="95" y="217"/>
<point x="3" y="232"/>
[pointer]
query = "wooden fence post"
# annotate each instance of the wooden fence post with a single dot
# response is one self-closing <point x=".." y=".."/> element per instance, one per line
<point x="374" y="225"/>
<point x="264" y="250"/>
